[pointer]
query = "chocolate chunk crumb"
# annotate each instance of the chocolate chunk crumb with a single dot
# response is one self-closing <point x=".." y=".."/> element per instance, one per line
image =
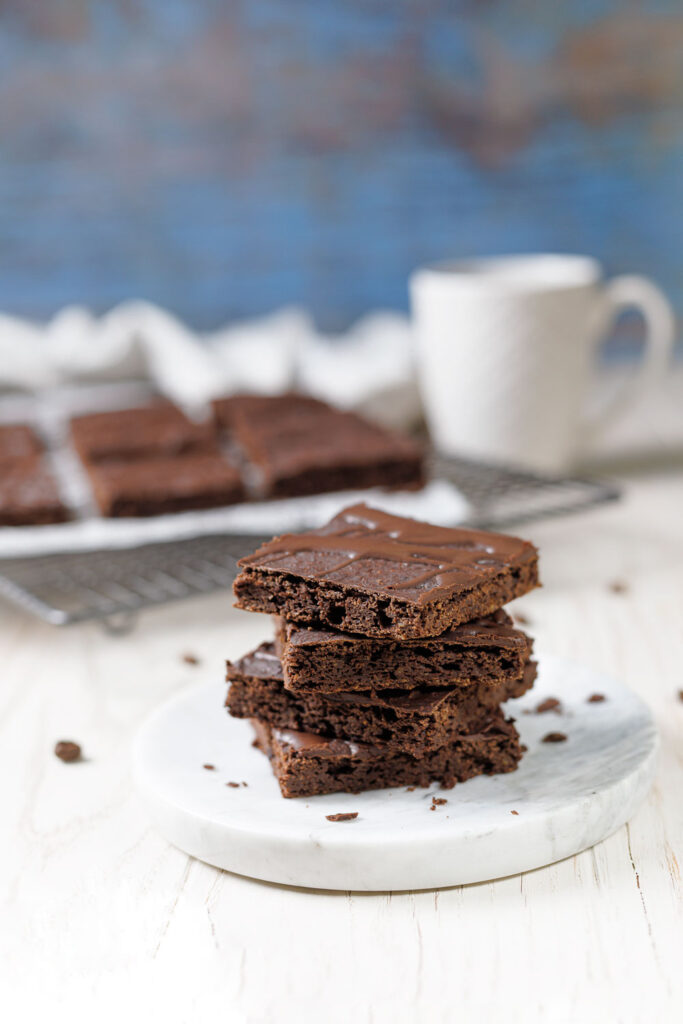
<point x="514" y="812"/>
<point x="190" y="659"/>
<point x="680" y="695"/>
<point x="550" y="704"/>
<point x="67" y="751"/>
<point x="245" y="783"/>
<point x="347" y="816"/>
<point x="596" y="698"/>
<point x="554" y="737"/>
<point x="209" y="767"/>
<point x="233" y="785"/>
<point x="618" y="587"/>
<point x="438" y="801"/>
<point x="521" y="619"/>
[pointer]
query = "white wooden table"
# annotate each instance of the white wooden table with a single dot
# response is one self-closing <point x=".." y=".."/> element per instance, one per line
<point x="101" y="919"/>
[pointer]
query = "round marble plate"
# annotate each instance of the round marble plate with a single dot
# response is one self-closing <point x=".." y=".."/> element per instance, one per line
<point x="567" y="796"/>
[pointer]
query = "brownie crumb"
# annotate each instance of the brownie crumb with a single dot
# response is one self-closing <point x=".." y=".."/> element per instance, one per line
<point x="67" y="751"/>
<point x="209" y="767"/>
<point x="438" y="801"/>
<point x="554" y="737"/>
<point x="245" y="783"/>
<point x="233" y="785"/>
<point x="680" y="695"/>
<point x="347" y="816"/>
<point x="514" y="812"/>
<point x="521" y="619"/>
<point x="411" y="789"/>
<point x="190" y="659"/>
<point x="596" y="698"/>
<point x="618" y="587"/>
<point x="550" y="704"/>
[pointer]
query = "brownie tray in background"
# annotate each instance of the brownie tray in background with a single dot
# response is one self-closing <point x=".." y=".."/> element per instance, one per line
<point x="112" y="585"/>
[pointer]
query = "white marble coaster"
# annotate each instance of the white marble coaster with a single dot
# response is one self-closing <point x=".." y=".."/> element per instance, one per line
<point x="567" y="796"/>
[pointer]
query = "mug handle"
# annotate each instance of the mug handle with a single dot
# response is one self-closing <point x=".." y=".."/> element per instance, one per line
<point x="631" y="291"/>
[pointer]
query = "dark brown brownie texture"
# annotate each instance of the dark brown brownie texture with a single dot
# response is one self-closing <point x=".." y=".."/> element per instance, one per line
<point x="415" y="721"/>
<point x="484" y="651"/>
<point x="380" y="575"/>
<point x="262" y="408"/>
<point x="159" y="429"/>
<point x="29" y="496"/>
<point x="19" y="446"/>
<point x="302" y="446"/>
<point x="150" y="487"/>
<point x="307" y="765"/>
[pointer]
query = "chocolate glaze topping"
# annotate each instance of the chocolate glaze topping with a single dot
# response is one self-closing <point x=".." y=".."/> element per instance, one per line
<point x="449" y="558"/>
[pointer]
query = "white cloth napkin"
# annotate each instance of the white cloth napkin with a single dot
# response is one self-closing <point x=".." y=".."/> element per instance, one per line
<point x="368" y="368"/>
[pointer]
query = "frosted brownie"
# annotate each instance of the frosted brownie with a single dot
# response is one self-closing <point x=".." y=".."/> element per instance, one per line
<point x="125" y="434"/>
<point x="381" y="575"/>
<point x="262" y="408"/>
<point x="19" y="445"/>
<point x="488" y="650"/>
<point x="302" y="446"/>
<point x="414" y="721"/>
<point x="306" y="764"/>
<point x="150" y="487"/>
<point x="29" y="496"/>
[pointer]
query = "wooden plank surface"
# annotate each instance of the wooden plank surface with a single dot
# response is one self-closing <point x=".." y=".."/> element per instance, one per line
<point x="99" y="917"/>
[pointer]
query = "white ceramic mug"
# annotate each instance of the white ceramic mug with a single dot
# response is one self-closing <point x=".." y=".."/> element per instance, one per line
<point x="507" y="348"/>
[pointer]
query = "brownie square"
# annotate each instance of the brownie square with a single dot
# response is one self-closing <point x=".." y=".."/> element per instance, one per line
<point x="414" y="721"/>
<point x="29" y="496"/>
<point x="306" y="764"/>
<point x="303" y="446"/>
<point x="150" y="487"/>
<point x="380" y="575"/>
<point x="486" y="651"/>
<point x="263" y="408"/>
<point x="154" y="430"/>
<point x="18" y="444"/>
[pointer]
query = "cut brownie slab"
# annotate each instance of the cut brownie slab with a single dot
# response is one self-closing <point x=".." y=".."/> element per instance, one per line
<point x="154" y="430"/>
<point x="306" y="764"/>
<point x="262" y="408"/>
<point x="487" y="651"/>
<point x="29" y="496"/>
<point x="303" y="446"/>
<point x="19" y="445"/>
<point x="150" y="487"/>
<point x="381" y="575"/>
<point x="415" y="721"/>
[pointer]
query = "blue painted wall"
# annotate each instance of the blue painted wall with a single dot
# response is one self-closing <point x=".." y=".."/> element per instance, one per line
<point x="226" y="158"/>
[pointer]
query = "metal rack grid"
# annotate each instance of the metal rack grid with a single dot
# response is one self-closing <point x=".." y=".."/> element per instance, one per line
<point x="113" y="585"/>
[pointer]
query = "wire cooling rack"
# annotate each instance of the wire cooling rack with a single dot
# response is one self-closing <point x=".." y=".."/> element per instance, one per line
<point x="113" y="585"/>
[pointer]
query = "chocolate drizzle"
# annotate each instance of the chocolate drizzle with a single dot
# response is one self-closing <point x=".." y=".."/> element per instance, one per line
<point x="449" y="557"/>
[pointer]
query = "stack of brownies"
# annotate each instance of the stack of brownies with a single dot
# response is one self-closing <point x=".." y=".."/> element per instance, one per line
<point x="392" y="654"/>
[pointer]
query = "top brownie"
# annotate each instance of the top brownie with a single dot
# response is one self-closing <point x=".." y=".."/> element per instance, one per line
<point x="125" y="434"/>
<point x="376" y="574"/>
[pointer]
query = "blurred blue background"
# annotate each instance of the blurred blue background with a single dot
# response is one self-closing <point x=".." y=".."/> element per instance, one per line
<point x="225" y="159"/>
